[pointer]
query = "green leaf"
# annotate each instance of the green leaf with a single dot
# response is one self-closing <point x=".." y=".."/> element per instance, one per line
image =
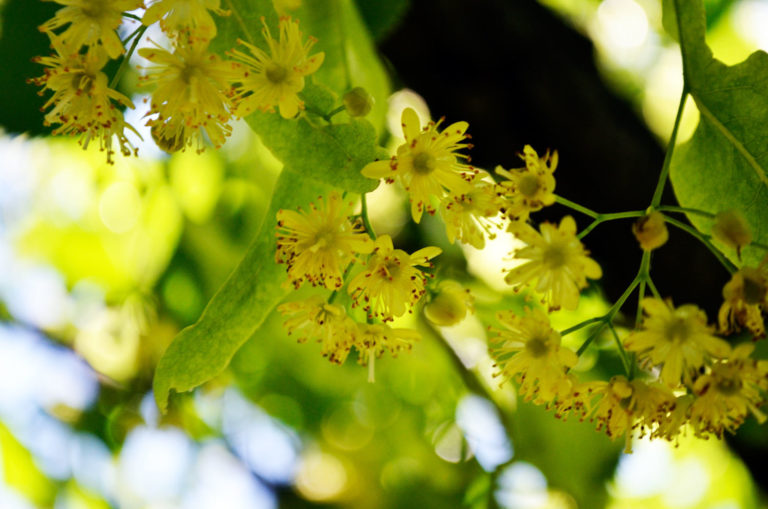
<point x="382" y="17"/>
<point x="333" y="154"/>
<point x="315" y="157"/>
<point x="725" y="164"/>
<point x="203" y="350"/>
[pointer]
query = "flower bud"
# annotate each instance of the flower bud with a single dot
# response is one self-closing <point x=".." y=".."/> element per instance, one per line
<point x="450" y="305"/>
<point x="358" y="102"/>
<point x="169" y="145"/>
<point x="651" y="231"/>
<point x="732" y="229"/>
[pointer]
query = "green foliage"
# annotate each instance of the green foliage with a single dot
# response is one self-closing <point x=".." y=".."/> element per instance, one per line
<point x="541" y="439"/>
<point x="724" y="165"/>
<point x="203" y="350"/>
<point x="332" y="154"/>
<point x="382" y="17"/>
<point x="314" y="156"/>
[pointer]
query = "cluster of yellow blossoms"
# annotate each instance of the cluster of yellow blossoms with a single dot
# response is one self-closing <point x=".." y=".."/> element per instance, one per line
<point x="472" y="205"/>
<point x="196" y="92"/>
<point x="702" y="382"/>
<point x="321" y="247"/>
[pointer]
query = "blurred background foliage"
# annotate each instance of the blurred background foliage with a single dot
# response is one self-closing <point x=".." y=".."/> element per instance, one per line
<point x="103" y="265"/>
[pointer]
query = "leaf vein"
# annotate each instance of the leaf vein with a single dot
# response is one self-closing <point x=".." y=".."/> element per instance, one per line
<point x="745" y="153"/>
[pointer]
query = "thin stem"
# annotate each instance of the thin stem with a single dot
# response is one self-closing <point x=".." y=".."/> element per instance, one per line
<point x="608" y="317"/>
<point x="333" y="112"/>
<point x="371" y="364"/>
<point x="601" y="218"/>
<point x="366" y="221"/>
<point x="653" y="288"/>
<point x="622" y="352"/>
<point x="343" y="278"/>
<point x="127" y="58"/>
<point x="581" y="325"/>
<point x="583" y="233"/>
<point x="704" y="239"/>
<point x="130" y="36"/>
<point x="131" y="16"/>
<point x="640" y="297"/>
<point x="576" y="207"/>
<point x="685" y="210"/>
<point x="591" y="338"/>
<point x="656" y="200"/>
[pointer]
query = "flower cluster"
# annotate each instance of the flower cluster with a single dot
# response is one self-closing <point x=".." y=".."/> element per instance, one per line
<point x="84" y="104"/>
<point x="323" y="247"/>
<point x="196" y="92"/>
<point x="472" y="205"/>
<point x="703" y="382"/>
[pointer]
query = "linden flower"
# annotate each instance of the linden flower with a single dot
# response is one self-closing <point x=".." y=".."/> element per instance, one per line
<point x="729" y="393"/>
<point x="467" y="214"/>
<point x="372" y="340"/>
<point x="318" y="245"/>
<point x="275" y="79"/>
<point x="528" y="349"/>
<point x="678" y="338"/>
<point x="391" y="284"/>
<point x="531" y="188"/>
<point x="628" y="405"/>
<point x="82" y="100"/>
<point x="315" y="319"/>
<point x="91" y="22"/>
<point x="745" y="296"/>
<point x="184" y="15"/>
<point x="191" y="94"/>
<point x="427" y="163"/>
<point x="557" y="262"/>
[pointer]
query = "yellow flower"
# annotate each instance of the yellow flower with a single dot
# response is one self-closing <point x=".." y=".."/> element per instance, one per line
<point x="372" y="340"/>
<point x="729" y="392"/>
<point x="531" y="188"/>
<point x="82" y="100"/>
<point x="674" y="425"/>
<point x="625" y="406"/>
<point x="318" y="245"/>
<point x="315" y="319"/>
<point x="391" y="284"/>
<point x="91" y="23"/>
<point x="651" y="231"/>
<point x="275" y="79"/>
<point x="468" y="214"/>
<point x="450" y="304"/>
<point x="427" y="163"/>
<point x="745" y="297"/>
<point x="528" y="349"/>
<point x="557" y="262"/>
<point x="191" y="94"/>
<point x="678" y="338"/>
<point x="190" y="16"/>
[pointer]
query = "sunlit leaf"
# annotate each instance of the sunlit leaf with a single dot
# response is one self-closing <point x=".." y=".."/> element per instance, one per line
<point x="725" y="164"/>
<point x="203" y="350"/>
